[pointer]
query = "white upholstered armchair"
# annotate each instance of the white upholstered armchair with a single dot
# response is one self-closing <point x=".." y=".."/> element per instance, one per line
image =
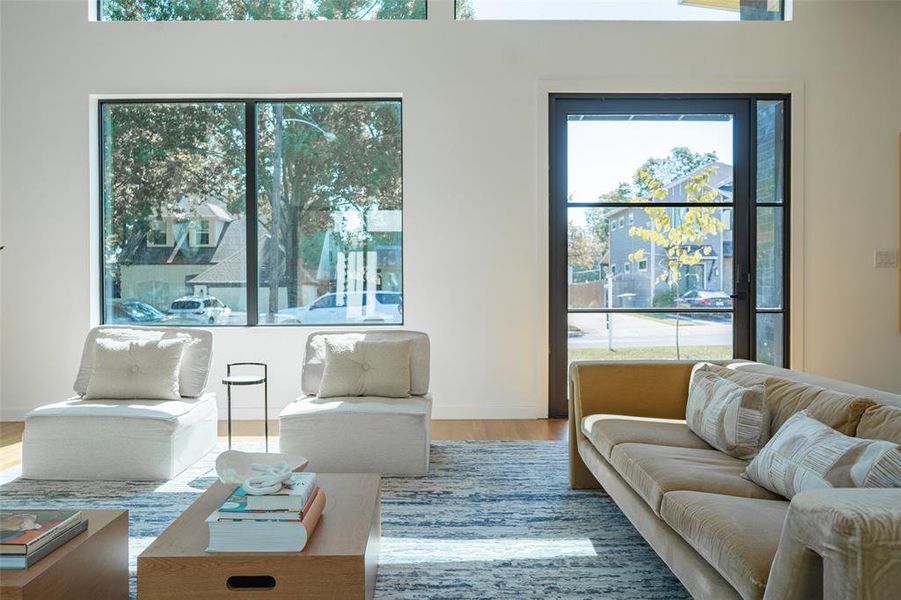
<point x="363" y="434"/>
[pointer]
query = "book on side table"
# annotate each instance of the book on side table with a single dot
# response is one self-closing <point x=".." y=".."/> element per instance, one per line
<point x="28" y="535"/>
<point x="280" y="522"/>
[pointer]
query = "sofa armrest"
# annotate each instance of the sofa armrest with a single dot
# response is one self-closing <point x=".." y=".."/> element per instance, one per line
<point x="656" y="389"/>
<point x="839" y="543"/>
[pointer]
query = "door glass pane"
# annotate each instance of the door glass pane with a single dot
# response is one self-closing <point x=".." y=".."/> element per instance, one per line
<point x="167" y="168"/>
<point x="260" y="10"/>
<point x="770" y="339"/>
<point x="769" y="257"/>
<point x="641" y="336"/>
<point x="650" y="158"/>
<point x="641" y="257"/>
<point x="770" y="151"/>
<point x="330" y="205"/>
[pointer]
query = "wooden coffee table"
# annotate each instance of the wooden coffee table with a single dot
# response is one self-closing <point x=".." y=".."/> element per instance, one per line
<point x="339" y="561"/>
<point x="93" y="564"/>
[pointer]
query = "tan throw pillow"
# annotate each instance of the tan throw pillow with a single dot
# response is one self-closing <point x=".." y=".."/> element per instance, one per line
<point x="881" y="422"/>
<point x="805" y="454"/>
<point x="732" y="418"/>
<point x="361" y="368"/>
<point x="839" y="411"/>
<point x="128" y="369"/>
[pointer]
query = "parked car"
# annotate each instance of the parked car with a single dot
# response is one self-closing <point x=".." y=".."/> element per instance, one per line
<point x="205" y="309"/>
<point x="133" y="312"/>
<point x="704" y="299"/>
<point x="336" y="309"/>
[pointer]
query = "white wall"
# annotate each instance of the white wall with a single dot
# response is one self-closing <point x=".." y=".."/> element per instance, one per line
<point x="475" y="207"/>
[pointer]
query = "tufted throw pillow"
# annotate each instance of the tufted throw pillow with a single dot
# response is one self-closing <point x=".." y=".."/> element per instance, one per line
<point x="805" y="454"/>
<point x="146" y="369"/>
<point x="361" y="368"/>
<point x="730" y="417"/>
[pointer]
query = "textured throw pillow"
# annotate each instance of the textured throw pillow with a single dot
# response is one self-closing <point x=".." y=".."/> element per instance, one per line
<point x="136" y="369"/>
<point x="839" y="411"/>
<point x="806" y="455"/>
<point x="361" y="368"/>
<point x="730" y="417"/>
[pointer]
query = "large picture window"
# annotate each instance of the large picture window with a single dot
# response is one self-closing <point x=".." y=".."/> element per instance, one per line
<point x="252" y="212"/>
<point x="265" y="10"/>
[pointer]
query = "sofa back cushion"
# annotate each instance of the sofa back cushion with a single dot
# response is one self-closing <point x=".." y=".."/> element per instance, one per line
<point x="837" y="410"/>
<point x="195" y="361"/>
<point x="881" y="423"/>
<point x="314" y="356"/>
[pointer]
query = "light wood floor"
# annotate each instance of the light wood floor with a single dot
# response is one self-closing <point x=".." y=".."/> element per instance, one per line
<point x="500" y="429"/>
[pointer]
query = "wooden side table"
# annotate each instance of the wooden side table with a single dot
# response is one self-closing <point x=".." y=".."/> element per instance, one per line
<point x="232" y="380"/>
<point x="93" y="564"/>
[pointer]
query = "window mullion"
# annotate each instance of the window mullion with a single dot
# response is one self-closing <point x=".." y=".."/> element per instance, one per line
<point x="251" y="212"/>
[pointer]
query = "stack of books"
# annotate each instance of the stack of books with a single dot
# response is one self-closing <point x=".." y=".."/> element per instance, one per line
<point x="27" y="536"/>
<point x="279" y="522"/>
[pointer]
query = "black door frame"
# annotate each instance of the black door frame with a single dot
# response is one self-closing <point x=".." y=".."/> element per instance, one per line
<point x="744" y="311"/>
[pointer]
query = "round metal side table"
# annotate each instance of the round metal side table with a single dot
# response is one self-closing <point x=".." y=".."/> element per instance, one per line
<point x="232" y="380"/>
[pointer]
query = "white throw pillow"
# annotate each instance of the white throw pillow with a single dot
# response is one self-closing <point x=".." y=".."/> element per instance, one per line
<point x="361" y="368"/>
<point x="136" y="369"/>
<point x="805" y="454"/>
<point x="732" y="418"/>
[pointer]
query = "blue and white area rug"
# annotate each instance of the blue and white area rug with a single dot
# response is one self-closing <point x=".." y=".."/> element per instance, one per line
<point x="492" y="520"/>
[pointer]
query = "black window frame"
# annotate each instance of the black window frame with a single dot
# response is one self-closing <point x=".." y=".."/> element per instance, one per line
<point x="251" y="200"/>
<point x="744" y="220"/>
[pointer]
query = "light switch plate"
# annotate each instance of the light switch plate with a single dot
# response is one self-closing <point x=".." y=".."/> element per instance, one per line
<point x="885" y="259"/>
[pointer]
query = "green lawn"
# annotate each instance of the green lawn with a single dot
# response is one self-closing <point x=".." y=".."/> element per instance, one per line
<point x="653" y="352"/>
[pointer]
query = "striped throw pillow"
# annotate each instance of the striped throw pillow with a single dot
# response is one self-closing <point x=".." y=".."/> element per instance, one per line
<point x="730" y="417"/>
<point x="805" y="454"/>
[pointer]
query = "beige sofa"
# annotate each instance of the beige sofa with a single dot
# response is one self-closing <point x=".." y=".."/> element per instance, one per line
<point x="722" y="535"/>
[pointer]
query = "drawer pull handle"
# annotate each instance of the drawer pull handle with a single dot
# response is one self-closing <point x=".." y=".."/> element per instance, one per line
<point x="250" y="582"/>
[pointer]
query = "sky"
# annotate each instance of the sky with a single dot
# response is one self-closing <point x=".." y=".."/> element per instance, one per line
<point x="603" y="153"/>
<point x="654" y="10"/>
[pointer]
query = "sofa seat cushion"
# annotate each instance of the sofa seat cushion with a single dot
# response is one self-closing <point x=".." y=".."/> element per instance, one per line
<point x="606" y="431"/>
<point x="159" y="410"/>
<point x="652" y="471"/>
<point x="737" y="536"/>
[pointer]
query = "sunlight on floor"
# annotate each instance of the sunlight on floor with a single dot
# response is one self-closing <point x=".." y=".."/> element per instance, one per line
<point x="398" y="551"/>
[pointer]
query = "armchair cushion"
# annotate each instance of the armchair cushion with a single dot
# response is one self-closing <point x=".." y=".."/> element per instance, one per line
<point x="136" y="369"/>
<point x="362" y="368"/>
<point x="314" y="356"/>
<point x="195" y="363"/>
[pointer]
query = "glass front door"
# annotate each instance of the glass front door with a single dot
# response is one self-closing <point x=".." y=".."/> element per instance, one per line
<point x="651" y="230"/>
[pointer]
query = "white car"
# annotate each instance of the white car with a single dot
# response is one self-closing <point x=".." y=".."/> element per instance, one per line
<point x="351" y="308"/>
<point x="203" y="309"/>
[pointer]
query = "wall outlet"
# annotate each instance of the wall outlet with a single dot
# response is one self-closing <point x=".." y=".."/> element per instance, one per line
<point x="885" y="259"/>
